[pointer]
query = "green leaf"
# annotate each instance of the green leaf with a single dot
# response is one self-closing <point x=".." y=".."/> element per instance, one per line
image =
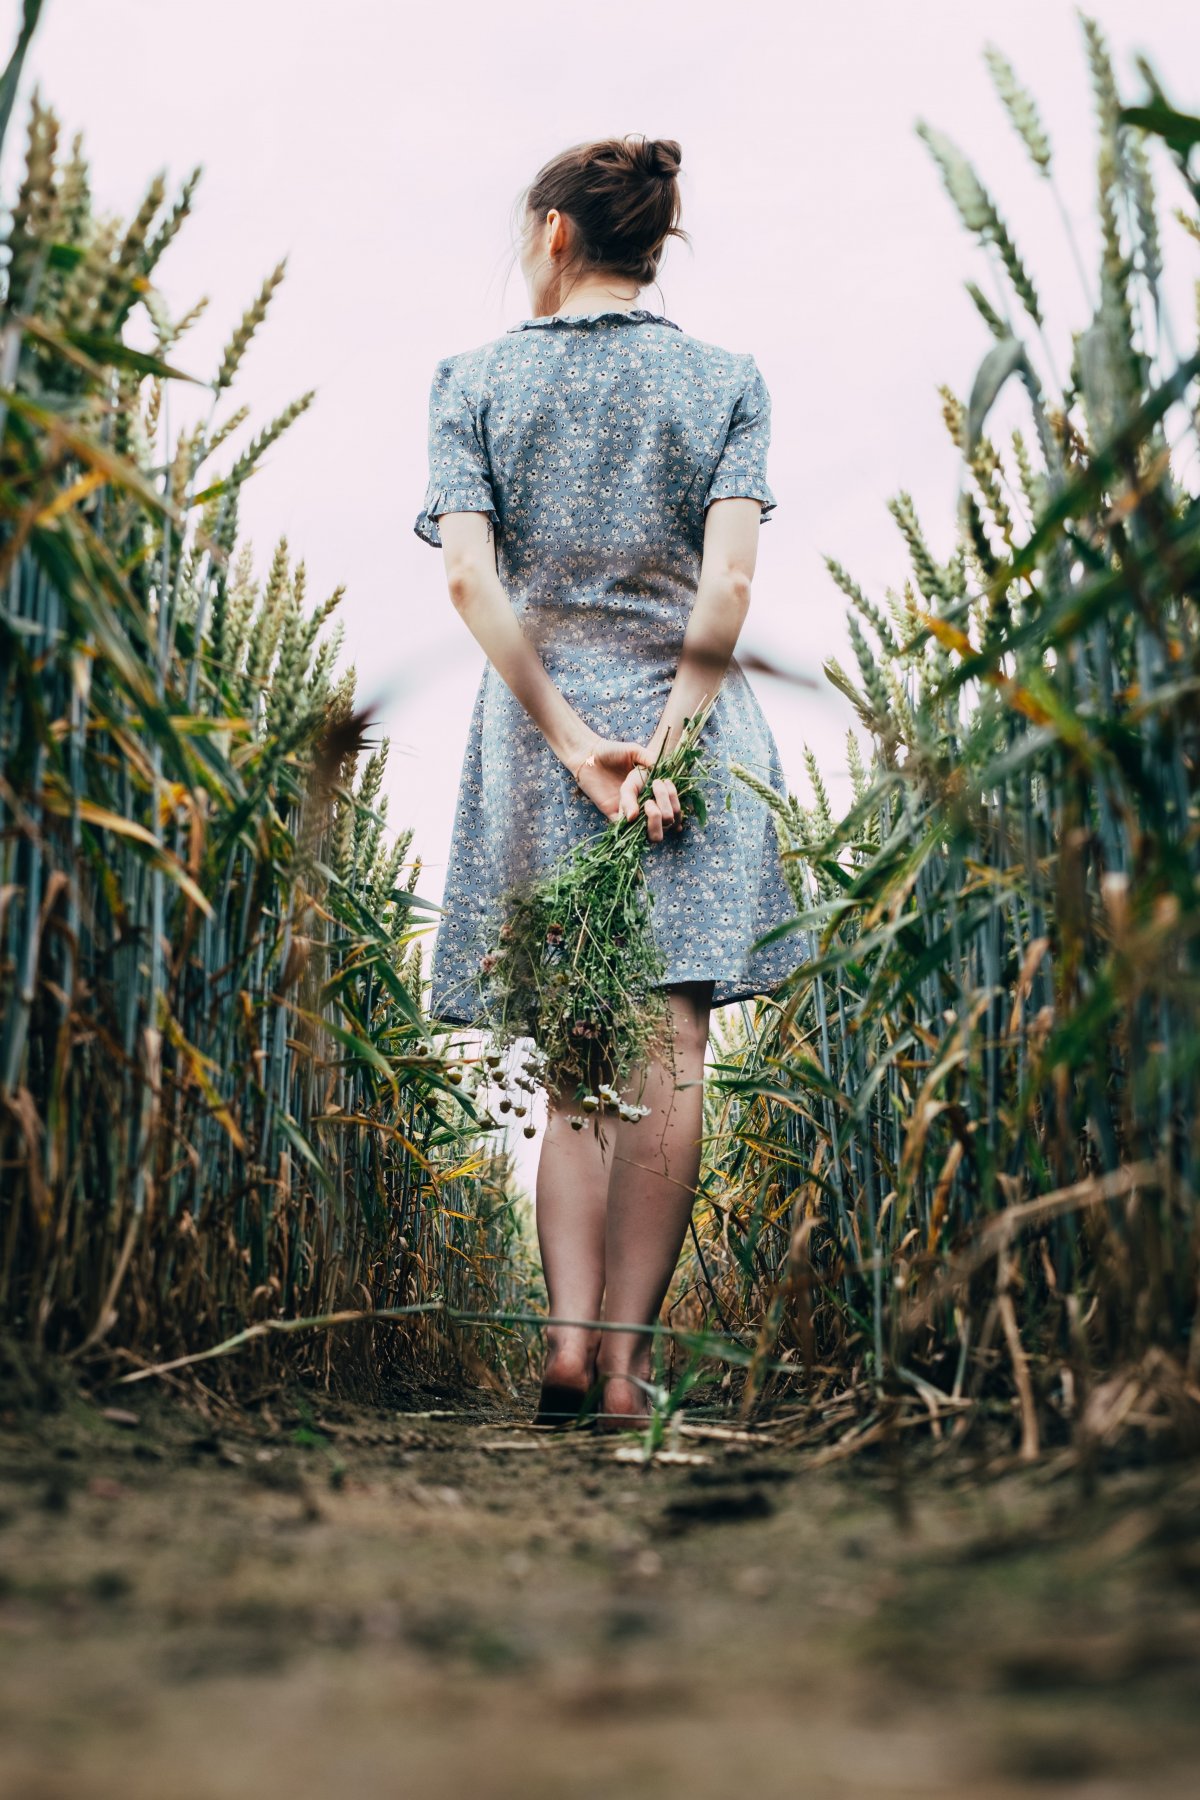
<point x="1001" y="361"/>
<point x="357" y="1046"/>
<point x="11" y="78"/>
<point x="303" y="1148"/>
<point x="1180" y="130"/>
<point x="118" y="469"/>
<point x="65" y="256"/>
<point x="111" y="352"/>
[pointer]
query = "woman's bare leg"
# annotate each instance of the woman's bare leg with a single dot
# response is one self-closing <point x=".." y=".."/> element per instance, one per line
<point x="572" y="1198"/>
<point x="652" y="1189"/>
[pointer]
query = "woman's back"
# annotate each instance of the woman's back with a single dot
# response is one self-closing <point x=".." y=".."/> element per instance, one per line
<point x="596" y="441"/>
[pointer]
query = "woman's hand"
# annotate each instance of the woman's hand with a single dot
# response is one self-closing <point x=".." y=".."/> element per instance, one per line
<point x="613" y="777"/>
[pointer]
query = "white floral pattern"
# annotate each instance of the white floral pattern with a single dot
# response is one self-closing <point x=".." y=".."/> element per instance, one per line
<point x="595" y="443"/>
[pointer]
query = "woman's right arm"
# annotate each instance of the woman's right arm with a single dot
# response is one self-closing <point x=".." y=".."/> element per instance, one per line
<point x="718" y="613"/>
<point x="469" y="558"/>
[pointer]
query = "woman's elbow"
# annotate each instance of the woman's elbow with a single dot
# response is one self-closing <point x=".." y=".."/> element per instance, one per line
<point x="462" y="584"/>
<point x="736" y="586"/>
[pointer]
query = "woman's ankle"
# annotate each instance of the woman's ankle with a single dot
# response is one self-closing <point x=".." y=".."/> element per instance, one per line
<point x="570" y="1355"/>
<point x="624" y="1357"/>
<point x="624" y="1396"/>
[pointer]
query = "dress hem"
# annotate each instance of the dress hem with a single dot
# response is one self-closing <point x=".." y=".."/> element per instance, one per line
<point x="747" y="991"/>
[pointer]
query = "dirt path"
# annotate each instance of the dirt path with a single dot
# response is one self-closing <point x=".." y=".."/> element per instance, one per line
<point x="377" y="1603"/>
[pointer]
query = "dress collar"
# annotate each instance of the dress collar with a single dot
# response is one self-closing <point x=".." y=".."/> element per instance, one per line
<point x="636" y="315"/>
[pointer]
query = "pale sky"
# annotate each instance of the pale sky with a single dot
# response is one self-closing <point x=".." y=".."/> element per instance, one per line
<point x="380" y="147"/>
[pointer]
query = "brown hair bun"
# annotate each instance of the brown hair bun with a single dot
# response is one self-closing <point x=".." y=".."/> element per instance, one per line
<point x="662" y="157"/>
<point x="622" y="197"/>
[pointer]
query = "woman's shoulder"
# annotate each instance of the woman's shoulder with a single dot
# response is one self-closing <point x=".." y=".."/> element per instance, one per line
<point x="465" y="366"/>
<point x="476" y="375"/>
<point x="739" y="365"/>
<point x="477" y="371"/>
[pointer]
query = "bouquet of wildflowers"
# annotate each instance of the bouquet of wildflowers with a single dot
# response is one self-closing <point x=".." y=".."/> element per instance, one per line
<point x="575" y="965"/>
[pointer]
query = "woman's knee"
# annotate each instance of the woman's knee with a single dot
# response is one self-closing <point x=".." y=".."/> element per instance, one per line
<point x="690" y="1008"/>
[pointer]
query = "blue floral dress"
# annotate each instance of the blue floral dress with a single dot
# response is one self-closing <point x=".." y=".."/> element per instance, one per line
<point x="595" y="444"/>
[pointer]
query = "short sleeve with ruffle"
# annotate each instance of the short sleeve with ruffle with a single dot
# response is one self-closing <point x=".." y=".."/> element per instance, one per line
<point x="741" y="467"/>
<point x="460" y="476"/>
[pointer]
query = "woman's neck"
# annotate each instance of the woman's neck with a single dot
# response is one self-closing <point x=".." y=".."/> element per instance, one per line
<point x="594" y="295"/>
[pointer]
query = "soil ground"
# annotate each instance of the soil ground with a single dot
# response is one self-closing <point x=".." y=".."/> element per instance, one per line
<point x="318" y="1600"/>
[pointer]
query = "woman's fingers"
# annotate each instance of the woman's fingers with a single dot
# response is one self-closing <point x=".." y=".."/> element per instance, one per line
<point x="667" y="800"/>
<point x="631" y="788"/>
<point x="661" y="806"/>
<point x="618" y="754"/>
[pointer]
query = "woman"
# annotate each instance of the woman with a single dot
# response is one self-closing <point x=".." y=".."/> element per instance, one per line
<point x="597" y="479"/>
